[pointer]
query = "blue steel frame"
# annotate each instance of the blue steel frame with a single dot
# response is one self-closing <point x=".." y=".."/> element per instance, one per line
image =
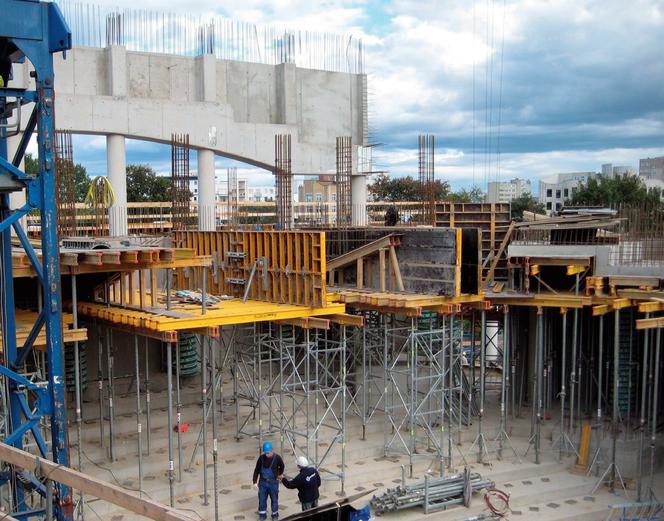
<point x="33" y="30"/>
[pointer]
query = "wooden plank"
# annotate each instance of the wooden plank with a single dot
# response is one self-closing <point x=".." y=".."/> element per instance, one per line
<point x="381" y="269"/>
<point x="360" y="273"/>
<point x="90" y="485"/>
<point x="395" y="268"/>
<point x="496" y="258"/>
<point x="346" y="319"/>
<point x="368" y="249"/>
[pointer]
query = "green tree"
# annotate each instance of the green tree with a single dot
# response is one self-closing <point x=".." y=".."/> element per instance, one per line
<point x="474" y="195"/>
<point x="81" y="182"/>
<point x="525" y="203"/>
<point x="81" y="179"/>
<point x="392" y="189"/>
<point x="144" y="185"/>
<point x="31" y="164"/>
<point x="614" y="191"/>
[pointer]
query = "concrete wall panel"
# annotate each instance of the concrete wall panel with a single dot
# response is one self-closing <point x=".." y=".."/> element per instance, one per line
<point x="252" y="103"/>
<point x="138" y="70"/>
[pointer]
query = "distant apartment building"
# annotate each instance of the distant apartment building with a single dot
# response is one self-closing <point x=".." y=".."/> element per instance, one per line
<point x="505" y="191"/>
<point x="261" y="194"/>
<point x="242" y="192"/>
<point x="555" y="189"/>
<point x="651" y="170"/>
<point x="611" y="169"/>
<point x="320" y="190"/>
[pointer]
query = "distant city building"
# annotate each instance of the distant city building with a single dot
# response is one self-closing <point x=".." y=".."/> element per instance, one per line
<point x="242" y="192"/>
<point x="260" y="194"/>
<point x="505" y="191"/>
<point x="651" y="170"/>
<point x="555" y="189"/>
<point x="319" y="190"/>
<point x="610" y="169"/>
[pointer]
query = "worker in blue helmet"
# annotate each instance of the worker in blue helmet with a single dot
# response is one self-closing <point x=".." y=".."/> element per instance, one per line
<point x="268" y="468"/>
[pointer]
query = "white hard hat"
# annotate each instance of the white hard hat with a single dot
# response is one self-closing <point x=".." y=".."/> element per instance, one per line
<point x="302" y="462"/>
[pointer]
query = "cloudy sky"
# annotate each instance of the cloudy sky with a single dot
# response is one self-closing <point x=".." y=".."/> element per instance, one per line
<point x="508" y="87"/>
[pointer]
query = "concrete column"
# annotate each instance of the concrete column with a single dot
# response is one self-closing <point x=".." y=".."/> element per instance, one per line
<point x="116" y="70"/>
<point x="359" y="199"/>
<point x="286" y="94"/>
<point x="208" y="77"/>
<point x="206" y="191"/>
<point x="116" y="163"/>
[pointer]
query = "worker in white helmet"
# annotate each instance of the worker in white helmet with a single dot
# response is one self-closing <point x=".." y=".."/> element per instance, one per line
<point x="307" y="483"/>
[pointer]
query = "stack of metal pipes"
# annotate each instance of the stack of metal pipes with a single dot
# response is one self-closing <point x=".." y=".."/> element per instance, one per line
<point x="431" y="493"/>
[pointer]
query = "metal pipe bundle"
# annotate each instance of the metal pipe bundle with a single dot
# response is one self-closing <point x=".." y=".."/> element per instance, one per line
<point x="432" y="494"/>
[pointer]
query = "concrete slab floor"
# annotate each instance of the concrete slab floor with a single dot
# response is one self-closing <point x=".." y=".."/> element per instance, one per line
<point x="547" y="491"/>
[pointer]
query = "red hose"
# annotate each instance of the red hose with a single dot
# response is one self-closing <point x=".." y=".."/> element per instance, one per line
<point x="502" y="496"/>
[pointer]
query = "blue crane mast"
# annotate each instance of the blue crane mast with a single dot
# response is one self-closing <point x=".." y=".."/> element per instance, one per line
<point x="32" y="31"/>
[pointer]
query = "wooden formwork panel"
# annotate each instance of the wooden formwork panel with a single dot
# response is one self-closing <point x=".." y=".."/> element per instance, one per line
<point x="293" y="270"/>
<point x="492" y="219"/>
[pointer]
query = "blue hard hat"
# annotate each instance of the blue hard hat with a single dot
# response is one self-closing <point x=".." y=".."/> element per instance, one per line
<point x="267" y="447"/>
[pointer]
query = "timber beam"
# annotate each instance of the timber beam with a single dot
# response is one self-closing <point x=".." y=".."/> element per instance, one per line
<point x="90" y="485"/>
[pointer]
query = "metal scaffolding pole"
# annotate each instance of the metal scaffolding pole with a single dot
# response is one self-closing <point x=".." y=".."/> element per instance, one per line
<point x="204" y="385"/>
<point x="77" y="391"/>
<point x="138" y="417"/>
<point x="111" y="393"/>
<point x="573" y="374"/>
<point x="215" y="451"/>
<point x="644" y="412"/>
<point x="480" y="440"/>
<point x="612" y="471"/>
<point x="537" y="399"/>
<point x="148" y="408"/>
<point x="565" y="445"/>
<point x="653" y="431"/>
<point x="597" y="457"/>
<point x="169" y="392"/>
<point x="502" y="437"/>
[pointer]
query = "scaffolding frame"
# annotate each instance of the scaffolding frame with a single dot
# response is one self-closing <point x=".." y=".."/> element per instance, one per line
<point x="423" y="388"/>
<point x="366" y="375"/>
<point x="255" y="353"/>
<point x="293" y="380"/>
<point x="313" y="393"/>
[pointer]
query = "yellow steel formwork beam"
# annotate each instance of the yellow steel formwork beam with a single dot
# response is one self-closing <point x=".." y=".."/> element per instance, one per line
<point x="651" y="307"/>
<point x="650" y="323"/>
<point x="189" y="317"/>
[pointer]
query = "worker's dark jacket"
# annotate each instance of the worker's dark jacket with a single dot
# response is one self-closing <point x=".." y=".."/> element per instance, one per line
<point x="306" y="483"/>
<point x="275" y="463"/>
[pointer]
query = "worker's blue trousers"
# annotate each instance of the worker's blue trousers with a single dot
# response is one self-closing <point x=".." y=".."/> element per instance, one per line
<point x="265" y="489"/>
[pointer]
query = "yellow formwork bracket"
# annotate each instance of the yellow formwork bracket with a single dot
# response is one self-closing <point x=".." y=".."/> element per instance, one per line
<point x="575" y="269"/>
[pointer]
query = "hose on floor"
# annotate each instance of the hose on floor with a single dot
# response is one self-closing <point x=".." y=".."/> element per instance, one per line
<point x="497" y="501"/>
